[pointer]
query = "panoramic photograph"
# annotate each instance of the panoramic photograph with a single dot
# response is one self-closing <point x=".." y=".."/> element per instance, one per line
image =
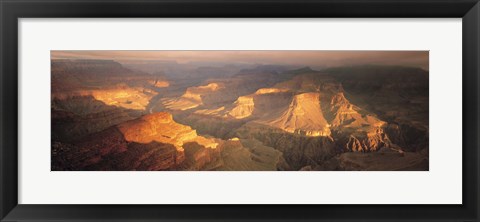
<point x="234" y="110"/>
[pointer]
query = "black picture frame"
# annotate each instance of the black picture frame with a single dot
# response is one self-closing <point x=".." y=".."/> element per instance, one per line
<point x="11" y="11"/>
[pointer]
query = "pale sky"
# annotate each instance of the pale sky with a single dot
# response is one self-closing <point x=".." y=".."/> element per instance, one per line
<point x="307" y="58"/>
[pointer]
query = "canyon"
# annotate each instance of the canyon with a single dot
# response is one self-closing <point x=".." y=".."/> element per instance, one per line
<point x="108" y="115"/>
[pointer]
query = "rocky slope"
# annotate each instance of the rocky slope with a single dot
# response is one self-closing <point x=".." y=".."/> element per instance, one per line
<point x="213" y="94"/>
<point x="398" y="95"/>
<point x="266" y="118"/>
<point x="319" y="107"/>
<point x="193" y="97"/>
<point x="91" y="95"/>
<point x="79" y="116"/>
<point x="261" y="103"/>
<point x="309" y="118"/>
<point x="104" y="80"/>
<point x="303" y="116"/>
<point x="250" y="155"/>
<point x="151" y="142"/>
<point x="157" y="142"/>
<point x="298" y="150"/>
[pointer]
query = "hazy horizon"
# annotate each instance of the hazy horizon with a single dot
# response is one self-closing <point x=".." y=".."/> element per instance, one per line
<point x="313" y="58"/>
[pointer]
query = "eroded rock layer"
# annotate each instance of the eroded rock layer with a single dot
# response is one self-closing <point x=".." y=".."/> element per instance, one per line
<point x="151" y="142"/>
<point x="266" y="118"/>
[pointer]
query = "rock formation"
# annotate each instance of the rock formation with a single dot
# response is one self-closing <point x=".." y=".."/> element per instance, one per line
<point x="265" y="118"/>
<point x="303" y="116"/>
<point x="151" y="142"/>
<point x="193" y="97"/>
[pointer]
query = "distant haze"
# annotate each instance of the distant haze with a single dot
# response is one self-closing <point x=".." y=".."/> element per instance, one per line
<point x="301" y="58"/>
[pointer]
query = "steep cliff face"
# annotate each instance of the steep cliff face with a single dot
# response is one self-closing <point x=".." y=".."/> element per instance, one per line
<point x="342" y="112"/>
<point x="303" y="116"/>
<point x="75" y="117"/>
<point x="160" y="127"/>
<point x="367" y="141"/>
<point x="152" y="142"/>
<point x="355" y="129"/>
<point x="398" y="95"/>
<point x="243" y="107"/>
<point x="298" y="150"/>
